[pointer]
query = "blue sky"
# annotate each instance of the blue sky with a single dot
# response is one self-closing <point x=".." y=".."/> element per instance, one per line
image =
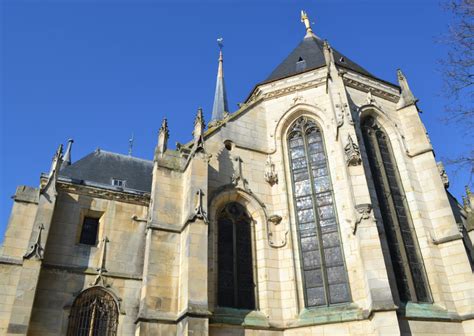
<point x="98" y="71"/>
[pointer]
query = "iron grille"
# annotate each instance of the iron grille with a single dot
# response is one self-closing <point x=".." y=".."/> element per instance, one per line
<point x="94" y="313"/>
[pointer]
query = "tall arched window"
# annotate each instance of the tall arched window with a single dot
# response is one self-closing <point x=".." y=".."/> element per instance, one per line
<point x="235" y="271"/>
<point x="324" y="272"/>
<point x="93" y="313"/>
<point x="401" y="238"/>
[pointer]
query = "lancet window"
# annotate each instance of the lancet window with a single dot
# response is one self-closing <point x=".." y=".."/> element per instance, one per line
<point x="236" y="287"/>
<point x="324" y="272"/>
<point x="93" y="313"/>
<point x="404" y="252"/>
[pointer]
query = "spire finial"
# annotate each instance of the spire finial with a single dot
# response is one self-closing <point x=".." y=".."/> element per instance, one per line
<point x="220" y="96"/>
<point x="305" y="20"/>
<point x="130" y="145"/>
<point x="67" y="155"/>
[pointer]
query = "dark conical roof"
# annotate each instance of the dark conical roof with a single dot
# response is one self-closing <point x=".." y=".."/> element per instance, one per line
<point x="308" y="55"/>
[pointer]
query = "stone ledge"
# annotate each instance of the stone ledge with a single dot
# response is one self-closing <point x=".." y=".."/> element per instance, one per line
<point x="243" y="317"/>
<point x="427" y="311"/>
<point x="326" y="315"/>
<point x="11" y="261"/>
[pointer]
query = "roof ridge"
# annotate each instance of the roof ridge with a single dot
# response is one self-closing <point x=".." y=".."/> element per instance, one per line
<point x="122" y="155"/>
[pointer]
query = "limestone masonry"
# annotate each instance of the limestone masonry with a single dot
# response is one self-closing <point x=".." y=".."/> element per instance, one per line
<point x="317" y="208"/>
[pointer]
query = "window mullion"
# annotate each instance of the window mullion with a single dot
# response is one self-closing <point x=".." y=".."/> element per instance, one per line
<point x="316" y="216"/>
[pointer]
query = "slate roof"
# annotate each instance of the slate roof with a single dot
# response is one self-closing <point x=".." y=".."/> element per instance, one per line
<point x="310" y="51"/>
<point x="101" y="167"/>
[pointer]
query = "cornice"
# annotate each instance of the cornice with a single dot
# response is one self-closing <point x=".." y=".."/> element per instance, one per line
<point x="377" y="88"/>
<point x="121" y="196"/>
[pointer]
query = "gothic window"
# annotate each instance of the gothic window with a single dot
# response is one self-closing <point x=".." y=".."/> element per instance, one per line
<point x="324" y="272"/>
<point x="235" y="270"/>
<point x="89" y="231"/>
<point x="403" y="248"/>
<point x="93" y="313"/>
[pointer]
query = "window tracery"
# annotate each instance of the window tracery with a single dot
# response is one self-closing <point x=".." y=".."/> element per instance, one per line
<point x="324" y="272"/>
<point x="404" y="252"/>
<point x="93" y="313"/>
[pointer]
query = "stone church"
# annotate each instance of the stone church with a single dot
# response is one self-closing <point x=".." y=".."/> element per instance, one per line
<point x="316" y="208"/>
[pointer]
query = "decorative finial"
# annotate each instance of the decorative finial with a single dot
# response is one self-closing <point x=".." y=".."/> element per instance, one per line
<point x="305" y="20"/>
<point x="163" y="135"/>
<point x="199" y="124"/>
<point x="130" y="145"/>
<point x="406" y="96"/>
<point x="67" y="155"/>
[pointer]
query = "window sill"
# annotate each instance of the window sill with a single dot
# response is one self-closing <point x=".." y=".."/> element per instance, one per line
<point x="332" y="314"/>
<point x="427" y="311"/>
<point x="243" y="317"/>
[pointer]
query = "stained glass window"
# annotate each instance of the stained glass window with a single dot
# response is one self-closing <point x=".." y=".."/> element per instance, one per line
<point x="324" y="272"/>
<point x="403" y="248"/>
<point x="93" y="313"/>
<point x="235" y="270"/>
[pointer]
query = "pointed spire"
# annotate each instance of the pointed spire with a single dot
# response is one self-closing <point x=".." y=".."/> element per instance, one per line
<point x="305" y="20"/>
<point x="406" y="98"/>
<point x="220" y="96"/>
<point x="67" y="155"/>
<point x="163" y="136"/>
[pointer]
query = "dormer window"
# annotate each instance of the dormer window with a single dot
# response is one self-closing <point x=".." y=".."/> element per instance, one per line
<point x="118" y="183"/>
<point x="300" y="65"/>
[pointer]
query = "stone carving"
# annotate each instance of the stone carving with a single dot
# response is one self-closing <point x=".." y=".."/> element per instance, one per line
<point x="356" y="84"/>
<point x="238" y="179"/>
<point x="281" y="92"/>
<point x="341" y="111"/>
<point x="55" y="167"/>
<point x="271" y="176"/>
<point x="351" y="149"/>
<point x="163" y="136"/>
<point x="199" y="211"/>
<point x="298" y="99"/>
<point x="276" y="236"/>
<point x="198" y="131"/>
<point x="370" y="100"/>
<point x="443" y="174"/>
<point x="134" y="198"/>
<point x="100" y="279"/>
<point x="36" y="250"/>
<point x="406" y="96"/>
<point x="364" y="212"/>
